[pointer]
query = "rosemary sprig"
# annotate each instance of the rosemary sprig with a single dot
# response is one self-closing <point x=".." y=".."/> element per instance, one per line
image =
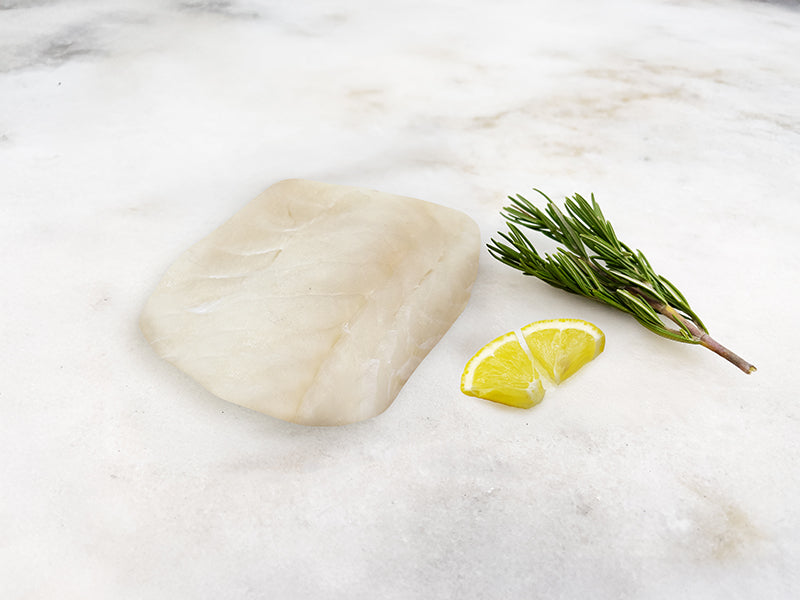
<point x="593" y="262"/>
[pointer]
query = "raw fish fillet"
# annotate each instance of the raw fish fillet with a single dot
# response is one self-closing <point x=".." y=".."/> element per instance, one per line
<point x="315" y="302"/>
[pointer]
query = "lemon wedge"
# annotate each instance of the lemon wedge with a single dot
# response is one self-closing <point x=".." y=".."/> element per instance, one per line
<point x="562" y="346"/>
<point x="502" y="371"/>
<point x="508" y="369"/>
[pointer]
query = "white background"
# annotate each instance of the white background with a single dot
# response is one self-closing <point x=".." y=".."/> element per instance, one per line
<point x="131" y="129"/>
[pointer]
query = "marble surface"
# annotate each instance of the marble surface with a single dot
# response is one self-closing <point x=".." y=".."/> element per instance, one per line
<point x="130" y="129"/>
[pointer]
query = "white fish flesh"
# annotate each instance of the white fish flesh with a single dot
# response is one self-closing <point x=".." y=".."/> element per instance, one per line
<point x="315" y="302"/>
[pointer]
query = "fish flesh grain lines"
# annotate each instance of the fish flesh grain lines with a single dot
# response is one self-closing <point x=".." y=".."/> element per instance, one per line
<point x="325" y="325"/>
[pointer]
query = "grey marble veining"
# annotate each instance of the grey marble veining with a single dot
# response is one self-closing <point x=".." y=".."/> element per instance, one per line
<point x="128" y="130"/>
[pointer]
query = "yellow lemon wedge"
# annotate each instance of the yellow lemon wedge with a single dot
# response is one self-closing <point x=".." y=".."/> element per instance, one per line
<point x="562" y="346"/>
<point x="502" y="371"/>
<point x="509" y="369"/>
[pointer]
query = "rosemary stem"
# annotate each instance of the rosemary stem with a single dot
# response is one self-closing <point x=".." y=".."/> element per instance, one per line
<point x="713" y="345"/>
<point x="703" y="338"/>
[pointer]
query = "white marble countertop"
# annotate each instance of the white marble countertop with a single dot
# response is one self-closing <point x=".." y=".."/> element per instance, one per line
<point x="130" y="129"/>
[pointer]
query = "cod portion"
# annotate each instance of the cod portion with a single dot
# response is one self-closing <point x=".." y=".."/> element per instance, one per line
<point x="315" y="302"/>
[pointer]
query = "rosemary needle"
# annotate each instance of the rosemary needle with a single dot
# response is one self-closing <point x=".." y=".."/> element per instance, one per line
<point x="593" y="262"/>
